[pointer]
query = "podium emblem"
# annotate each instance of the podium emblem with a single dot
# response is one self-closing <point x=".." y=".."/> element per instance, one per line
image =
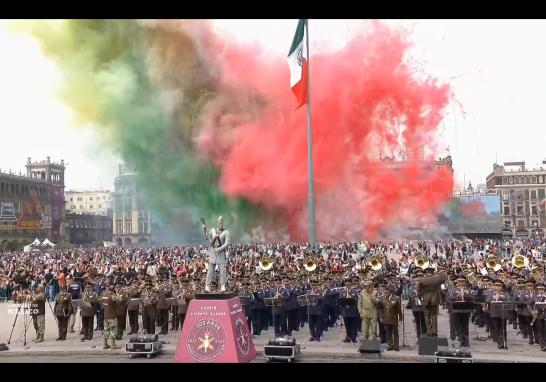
<point x="242" y="336"/>
<point x="206" y="340"/>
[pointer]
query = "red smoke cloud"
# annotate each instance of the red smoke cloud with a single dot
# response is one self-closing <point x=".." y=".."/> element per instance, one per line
<point x="361" y="97"/>
<point x="474" y="208"/>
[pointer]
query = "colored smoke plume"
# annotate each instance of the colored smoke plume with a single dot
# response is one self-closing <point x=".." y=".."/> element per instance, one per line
<point x="210" y="125"/>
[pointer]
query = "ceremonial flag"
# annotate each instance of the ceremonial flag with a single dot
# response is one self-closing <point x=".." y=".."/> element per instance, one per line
<point x="298" y="64"/>
<point x="542" y="205"/>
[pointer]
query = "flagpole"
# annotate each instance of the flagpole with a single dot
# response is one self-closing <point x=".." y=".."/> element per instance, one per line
<point x="311" y="191"/>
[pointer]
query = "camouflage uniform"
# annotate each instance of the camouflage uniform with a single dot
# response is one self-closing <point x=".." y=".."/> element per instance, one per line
<point x="368" y="312"/>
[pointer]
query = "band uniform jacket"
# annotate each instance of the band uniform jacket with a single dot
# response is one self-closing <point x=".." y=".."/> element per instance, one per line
<point x="540" y="298"/>
<point x="284" y="295"/>
<point x="122" y="302"/>
<point x="493" y="297"/>
<point x="63" y="304"/>
<point x="367" y="304"/>
<point x="348" y="311"/>
<point x="89" y="299"/>
<point x="390" y="310"/>
<point x="430" y="289"/>
<point x="414" y="302"/>
<point x="458" y="294"/>
<point x="182" y="302"/>
<point x="149" y="300"/>
<point x="163" y="294"/>
<point x="523" y="299"/>
<point x="38" y="303"/>
<point x="316" y="309"/>
<point x="108" y="305"/>
<point x="134" y="292"/>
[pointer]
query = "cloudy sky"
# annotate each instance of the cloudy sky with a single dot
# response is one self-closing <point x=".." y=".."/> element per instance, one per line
<point x="497" y="70"/>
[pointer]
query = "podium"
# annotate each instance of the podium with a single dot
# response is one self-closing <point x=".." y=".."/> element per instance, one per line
<point x="215" y="331"/>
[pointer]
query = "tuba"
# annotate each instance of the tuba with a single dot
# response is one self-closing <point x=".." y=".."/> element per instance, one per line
<point x="493" y="263"/>
<point x="375" y="263"/>
<point x="265" y="264"/>
<point x="310" y="264"/>
<point x="520" y="261"/>
<point x="422" y="262"/>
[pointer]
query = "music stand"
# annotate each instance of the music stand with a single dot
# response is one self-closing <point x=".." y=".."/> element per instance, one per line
<point x="502" y="307"/>
<point x="170" y="301"/>
<point x="307" y="300"/>
<point x="273" y="302"/>
<point x="134" y="302"/>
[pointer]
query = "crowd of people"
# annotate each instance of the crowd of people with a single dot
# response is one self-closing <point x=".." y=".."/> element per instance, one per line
<point x="369" y="285"/>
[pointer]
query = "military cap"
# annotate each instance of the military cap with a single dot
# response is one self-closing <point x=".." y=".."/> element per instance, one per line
<point x="461" y="279"/>
<point x="89" y="285"/>
<point x="541" y="286"/>
<point x="499" y="283"/>
<point x="529" y="283"/>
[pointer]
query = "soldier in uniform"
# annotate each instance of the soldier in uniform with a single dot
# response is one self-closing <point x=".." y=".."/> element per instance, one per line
<point x="349" y="311"/>
<point x="110" y="319"/>
<point x="292" y="309"/>
<point x="183" y="298"/>
<point x="38" y="313"/>
<point x="164" y="292"/>
<point x="75" y="290"/>
<point x="122" y="302"/>
<point x="279" y="312"/>
<point x="367" y="308"/>
<point x="429" y="287"/>
<point x="497" y="322"/>
<point x="149" y="303"/>
<point x="460" y="319"/>
<point x="63" y="309"/>
<point x="416" y="306"/>
<point x="89" y="300"/>
<point x="132" y="309"/>
<point x="330" y="303"/>
<point x="315" y="314"/>
<point x="523" y="299"/>
<point x="99" y="290"/>
<point x="390" y="315"/>
<point x="539" y="317"/>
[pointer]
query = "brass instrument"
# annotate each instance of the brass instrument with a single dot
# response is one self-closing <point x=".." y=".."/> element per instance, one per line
<point x="493" y="263"/>
<point x="375" y="263"/>
<point x="422" y="262"/>
<point x="310" y="264"/>
<point x="538" y="274"/>
<point x="520" y="261"/>
<point x="265" y="264"/>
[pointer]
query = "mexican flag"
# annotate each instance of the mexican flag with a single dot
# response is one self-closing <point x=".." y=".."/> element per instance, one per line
<point x="542" y="205"/>
<point x="297" y="62"/>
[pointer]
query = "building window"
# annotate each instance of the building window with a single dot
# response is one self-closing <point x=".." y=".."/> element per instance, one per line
<point x="91" y="198"/>
<point x="72" y="207"/>
<point x="519" y="209"/>
<point x="504" y="180"/>
<point x="81" y="207"/>
<point x="534" y="210"/>
<point x="79" y="199"/>
<point x="71" y="199"/>
<point x="533" y="194"/>
<point x="511" y="180"/>
<point x="100" y="205"/>
<point x="540" y="179"/>
<point x="506" y="209"/>
<point x="505" y="195"/>
<point x="533" y="179"/>
<point x="507" y="223"/>
<point x="91" y="207"/>
<point x="534" y="223"/>
<point x="520" y="223"/>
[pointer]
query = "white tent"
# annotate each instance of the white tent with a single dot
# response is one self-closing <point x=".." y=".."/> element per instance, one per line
<point x="34" y="245"/>
<point x="46" y="243"/>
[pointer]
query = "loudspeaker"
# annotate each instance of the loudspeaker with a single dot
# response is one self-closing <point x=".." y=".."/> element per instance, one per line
<point x="3" y="347"/>
<point x="429" y="345"/>
<point x="370" y="346"/>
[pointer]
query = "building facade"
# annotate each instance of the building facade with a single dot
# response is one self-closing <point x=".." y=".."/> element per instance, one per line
<point x="81" y="229"/>
<point x="88" y="202"/>
<point x="132" y="222"/>
<point x="522" y="191"/>
<point x="32" y="204"/>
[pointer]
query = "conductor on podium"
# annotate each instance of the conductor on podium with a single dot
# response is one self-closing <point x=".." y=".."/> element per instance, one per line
<point x="219" y="240"/>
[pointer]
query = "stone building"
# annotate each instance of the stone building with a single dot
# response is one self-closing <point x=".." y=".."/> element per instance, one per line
<point x="89" y="202"/>
<point x="522" y="194"/>
<point x="132" y="222"/>
<point x="32" y="204"/>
